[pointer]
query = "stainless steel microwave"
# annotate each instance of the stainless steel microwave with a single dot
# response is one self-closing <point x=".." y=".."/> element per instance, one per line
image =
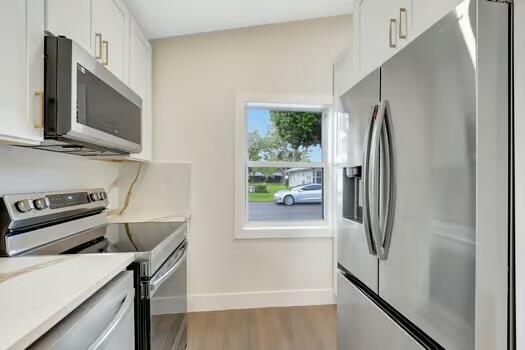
<point x="88" y="110"/>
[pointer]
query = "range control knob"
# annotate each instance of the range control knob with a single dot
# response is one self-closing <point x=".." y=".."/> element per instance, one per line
<point x="24" y="206"/>
<point x="94" y="197"/>
<point x="102" y="195"/>
<point x="40" y="203"/>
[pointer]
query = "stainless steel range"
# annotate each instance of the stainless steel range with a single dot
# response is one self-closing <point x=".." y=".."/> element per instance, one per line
<point x="74" y="222"/>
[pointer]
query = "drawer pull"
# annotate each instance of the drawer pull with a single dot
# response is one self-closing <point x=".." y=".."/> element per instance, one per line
<point x="392" y="33"/>
<point x="105" y="47"/>
<point x="98" y="46"/>
<point x="403" y="23"/>
<point x="39" y="117"/>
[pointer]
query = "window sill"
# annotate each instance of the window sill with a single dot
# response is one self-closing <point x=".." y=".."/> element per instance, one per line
<point x="286" y="232"/>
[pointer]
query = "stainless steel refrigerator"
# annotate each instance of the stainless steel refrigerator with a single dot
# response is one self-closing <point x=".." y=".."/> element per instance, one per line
<point x="424" y="207"/>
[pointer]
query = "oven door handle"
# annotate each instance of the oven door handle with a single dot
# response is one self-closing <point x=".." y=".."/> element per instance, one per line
<point x="168" y="269"/>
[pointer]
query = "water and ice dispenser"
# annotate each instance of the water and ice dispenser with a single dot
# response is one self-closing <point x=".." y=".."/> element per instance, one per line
<point x="352" y="196"/>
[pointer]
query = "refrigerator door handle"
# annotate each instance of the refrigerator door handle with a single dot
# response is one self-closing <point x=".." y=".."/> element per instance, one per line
<point x="382" y="182"/>
<point x="366" y="181"/>
<point x="389" y="166"/>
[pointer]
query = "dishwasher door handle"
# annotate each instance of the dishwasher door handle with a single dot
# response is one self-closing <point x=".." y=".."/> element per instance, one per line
<point x="119" y="316"/>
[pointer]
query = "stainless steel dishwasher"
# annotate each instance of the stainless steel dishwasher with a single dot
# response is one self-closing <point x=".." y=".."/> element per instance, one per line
<point x="104" y="321"/>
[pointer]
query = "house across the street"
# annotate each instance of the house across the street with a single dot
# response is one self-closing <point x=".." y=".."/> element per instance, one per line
<point x="301" y="176"/>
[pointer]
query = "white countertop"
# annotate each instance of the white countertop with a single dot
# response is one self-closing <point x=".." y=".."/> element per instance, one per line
<point x="37" y="292"/>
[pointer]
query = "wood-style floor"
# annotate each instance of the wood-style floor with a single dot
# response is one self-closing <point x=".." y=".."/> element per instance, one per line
<point x="290" y="328"/>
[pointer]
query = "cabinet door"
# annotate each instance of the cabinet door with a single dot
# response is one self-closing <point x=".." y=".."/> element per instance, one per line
<point x="374" y="17"/>
<point x="21" y="69"/>
<point x="140" y="82"/>
<point x="71" y="19"/>
<point x="380" y="32"/>
<point x="138" y="57"/>
<point x="344" y="74"/>
<point x="343" y="80"/>
<point x="111" y="22"/>
<point x="428" y="12"/>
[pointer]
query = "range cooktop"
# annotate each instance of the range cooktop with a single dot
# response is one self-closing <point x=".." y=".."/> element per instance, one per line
<point x="141" y="237"/>
<point x="152" y="242"/>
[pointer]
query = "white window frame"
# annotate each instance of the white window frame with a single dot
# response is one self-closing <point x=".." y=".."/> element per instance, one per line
<point x="280" y="229"/>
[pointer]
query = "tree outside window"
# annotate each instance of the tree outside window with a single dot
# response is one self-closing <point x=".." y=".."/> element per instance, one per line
<point x="277" y="141"/>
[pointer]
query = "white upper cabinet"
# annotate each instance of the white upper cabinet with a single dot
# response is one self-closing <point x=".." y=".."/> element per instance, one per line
<point x="99" y="26"/>
<point x="71" y="19"/>
<point x="139" y="50"/>
<point x="22" y="71"/>
<point x="428" y="12"/>
<point x="343" y="80"/>
<point x="382" y="28"/>
<point x="110" y="21"/>
<point x="343" y="73"/>
<point x="140" y="82"/>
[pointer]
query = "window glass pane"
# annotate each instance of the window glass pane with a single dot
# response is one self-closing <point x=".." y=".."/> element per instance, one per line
<point x="275" y="135"/>
<point x="284" y="194"/>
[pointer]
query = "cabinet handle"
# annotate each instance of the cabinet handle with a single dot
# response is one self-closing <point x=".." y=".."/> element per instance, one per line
<point x="392" y="33"/>
<point x="98" y="46"/>
<point x="39" y="117"/>
<point x="403" y="23"/>
<point x="105" y="45"/>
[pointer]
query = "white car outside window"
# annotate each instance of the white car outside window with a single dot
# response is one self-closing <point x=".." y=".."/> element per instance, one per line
<point x="310" y="193"/>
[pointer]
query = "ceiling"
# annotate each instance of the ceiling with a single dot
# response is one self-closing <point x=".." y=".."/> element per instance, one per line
<point x="165" y="18"/>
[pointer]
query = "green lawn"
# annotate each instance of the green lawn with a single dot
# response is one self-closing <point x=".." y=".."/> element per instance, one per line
<point x="265" y="197"/>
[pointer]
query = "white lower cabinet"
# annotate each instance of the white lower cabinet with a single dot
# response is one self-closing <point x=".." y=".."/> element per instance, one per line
<point x="22" y="71"/>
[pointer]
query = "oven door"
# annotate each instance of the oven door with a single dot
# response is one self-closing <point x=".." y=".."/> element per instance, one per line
<point x="168" y="302"/>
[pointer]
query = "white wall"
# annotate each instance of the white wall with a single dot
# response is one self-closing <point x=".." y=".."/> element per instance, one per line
<point x="29" y="170"/>
<point x="196" y="79"/>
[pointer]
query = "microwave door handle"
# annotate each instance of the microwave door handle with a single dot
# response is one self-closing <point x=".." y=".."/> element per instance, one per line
<point x="389" y="171"/>
<point x="171" y="266"/>
<point x="119" y="316"/>
<point x="366" y="180"/>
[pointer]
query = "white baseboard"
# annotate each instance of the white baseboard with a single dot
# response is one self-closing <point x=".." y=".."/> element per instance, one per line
<point x="247" y="300"/>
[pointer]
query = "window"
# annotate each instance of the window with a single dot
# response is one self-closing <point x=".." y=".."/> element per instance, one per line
<point x="281" y="171"/>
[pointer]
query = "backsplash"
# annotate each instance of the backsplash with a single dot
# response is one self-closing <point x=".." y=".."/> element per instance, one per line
<point x="157" y="190"/>
<point x="29" y="170"/>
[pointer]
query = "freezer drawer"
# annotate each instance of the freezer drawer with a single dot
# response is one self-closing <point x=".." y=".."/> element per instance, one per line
<point x="104" y="321"/>
<point x="361" y="325"/>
